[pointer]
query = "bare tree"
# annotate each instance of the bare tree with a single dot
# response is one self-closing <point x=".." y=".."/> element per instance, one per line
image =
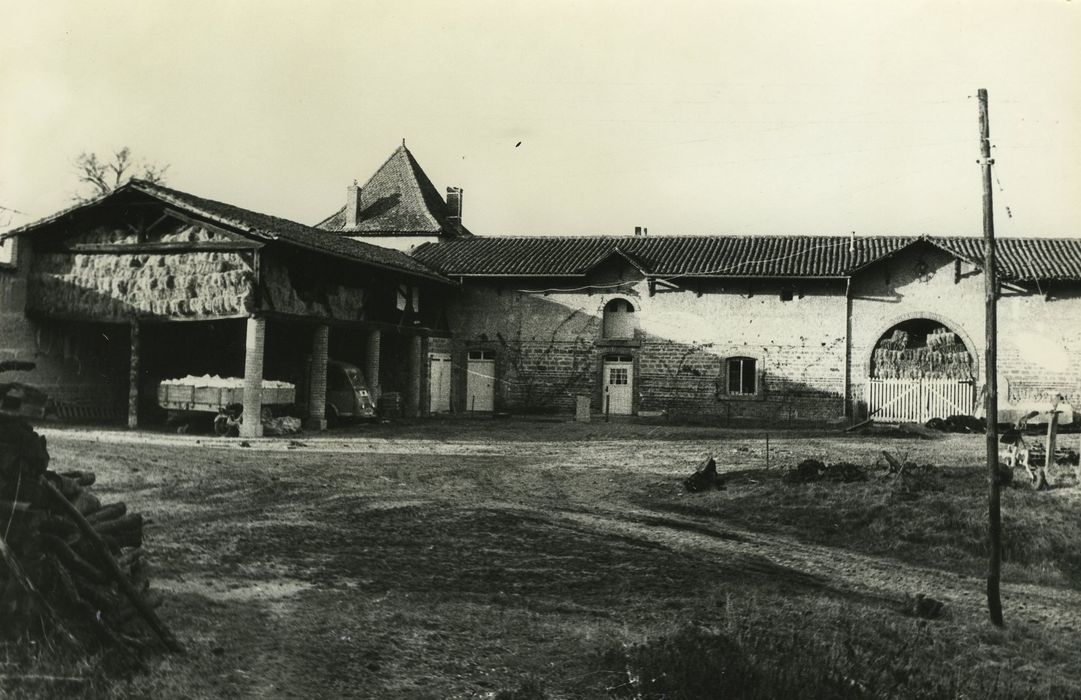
<point x="104" y="176"/>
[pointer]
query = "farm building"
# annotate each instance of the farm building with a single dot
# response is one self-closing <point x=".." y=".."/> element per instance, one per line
<point x="731" y="328"/>
<point x="148" y="283"/>
<point x="759" y="328"/>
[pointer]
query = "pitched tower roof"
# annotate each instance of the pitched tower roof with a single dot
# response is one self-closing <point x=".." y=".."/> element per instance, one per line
<point x="398" y="199"/>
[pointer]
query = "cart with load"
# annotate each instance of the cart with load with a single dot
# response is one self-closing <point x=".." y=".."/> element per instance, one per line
<point x="223" y="396"/>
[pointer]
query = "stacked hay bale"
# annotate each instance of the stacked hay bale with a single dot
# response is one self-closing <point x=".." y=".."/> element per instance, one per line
<point x="942" y="355"/>
<point x="117" y="286"/>
<point x="325" y="298"/>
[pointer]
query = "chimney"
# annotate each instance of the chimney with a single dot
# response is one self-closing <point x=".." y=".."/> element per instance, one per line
<point x="454" y="204"/>
<point x="641" y="231"/>
<point x="352" y="205"/>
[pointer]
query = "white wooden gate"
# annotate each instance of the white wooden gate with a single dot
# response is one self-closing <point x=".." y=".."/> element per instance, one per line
<point x="919" y="400"/>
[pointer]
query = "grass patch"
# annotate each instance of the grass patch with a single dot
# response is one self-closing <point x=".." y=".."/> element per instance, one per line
<point x="935" y="517"/>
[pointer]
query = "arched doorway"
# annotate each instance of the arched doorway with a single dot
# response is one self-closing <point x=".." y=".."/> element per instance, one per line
<point x="921" y="369"/>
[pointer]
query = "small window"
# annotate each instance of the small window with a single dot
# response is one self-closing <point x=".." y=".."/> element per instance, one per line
<point x="482" y="354"/>
<point x="619" y="319"/>
<point x="742" y="377"/>
<point x="618" y="375"/>
<point x="7" y="252"/>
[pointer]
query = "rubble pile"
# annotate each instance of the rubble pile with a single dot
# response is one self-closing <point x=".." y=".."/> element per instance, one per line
<point x="704" y="478"/>
<point x="73" y="567"/>
<point x="958" y="424"/>
<point x="810" y="470"/>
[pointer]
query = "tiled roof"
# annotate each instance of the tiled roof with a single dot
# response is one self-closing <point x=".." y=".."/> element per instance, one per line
<point x="398" y="199"/>
<point x="264" y="227"/>
<point x="1023" y="259"/>
<point x="733" y="256"/>
<point x="721" y="256"/>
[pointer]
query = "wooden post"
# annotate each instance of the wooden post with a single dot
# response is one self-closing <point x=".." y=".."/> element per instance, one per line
<point x="767" y="451"/>
<point x="252" y="424"/>
<point x="1043" y="480"/>
<point x="133" y="377"/>
<point x="994" y="498"/>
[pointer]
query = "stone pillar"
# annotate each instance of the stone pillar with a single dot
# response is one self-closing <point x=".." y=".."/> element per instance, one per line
<point x="416" y="368"/>
<point x="134" y="371"/>
<point x="371" y="363"/>
<point x="252" y="425"/>
<point x="317" y="380"/>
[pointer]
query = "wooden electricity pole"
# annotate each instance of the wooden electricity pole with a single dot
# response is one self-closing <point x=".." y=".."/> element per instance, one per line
<point x="994" y="600"/>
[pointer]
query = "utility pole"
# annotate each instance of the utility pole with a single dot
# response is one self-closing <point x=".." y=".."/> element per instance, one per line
<point x="994" y="511"/>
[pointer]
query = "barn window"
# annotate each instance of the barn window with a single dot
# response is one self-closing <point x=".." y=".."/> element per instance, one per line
<point x="7" y="252"/>
<point x="619" y="319"/>
<point x="742" y="375"/>
<point x="482" y="354"/>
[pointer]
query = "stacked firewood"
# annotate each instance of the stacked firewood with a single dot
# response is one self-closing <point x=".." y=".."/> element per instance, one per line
<point x="72" y="566"/>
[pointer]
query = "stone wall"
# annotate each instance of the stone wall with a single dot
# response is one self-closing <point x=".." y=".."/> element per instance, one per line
<point x="547" y="335"/>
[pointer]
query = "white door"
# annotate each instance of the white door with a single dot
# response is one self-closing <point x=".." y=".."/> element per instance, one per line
<point x="619" y="387"/>
<point x="439" y="383"/>
<point x="480" y="382"/>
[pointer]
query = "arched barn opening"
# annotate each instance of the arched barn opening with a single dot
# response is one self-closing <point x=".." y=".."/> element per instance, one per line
<point x="920" y="369"/>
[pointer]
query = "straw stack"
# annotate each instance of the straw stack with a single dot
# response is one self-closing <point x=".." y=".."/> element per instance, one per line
<point x="119" y="286"/>
<point x="941" y="355"/>
<point x="330" y="301"/>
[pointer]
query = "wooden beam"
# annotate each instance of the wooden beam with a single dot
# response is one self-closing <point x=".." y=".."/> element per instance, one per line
<point x="167" y="247"/>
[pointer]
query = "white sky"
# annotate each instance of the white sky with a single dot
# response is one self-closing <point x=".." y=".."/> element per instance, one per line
<point x="686" y="117"/>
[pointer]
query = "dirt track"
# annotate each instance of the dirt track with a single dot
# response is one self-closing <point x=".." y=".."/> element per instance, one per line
<point x="403" y="567"/>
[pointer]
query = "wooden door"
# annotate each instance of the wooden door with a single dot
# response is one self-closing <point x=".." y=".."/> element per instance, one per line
<point x="480" y="382"/>
<point x="439" y="383"/>
<point x="619" y="387"/>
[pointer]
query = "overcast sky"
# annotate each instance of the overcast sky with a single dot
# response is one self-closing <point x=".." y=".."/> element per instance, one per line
<point x="687" y="117"/>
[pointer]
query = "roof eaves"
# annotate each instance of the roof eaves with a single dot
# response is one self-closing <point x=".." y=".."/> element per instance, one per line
<point x="56" y="216"/>
<point x="257" y="232"/>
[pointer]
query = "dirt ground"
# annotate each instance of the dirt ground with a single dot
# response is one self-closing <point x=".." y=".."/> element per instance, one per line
<point x="452" y="559"/>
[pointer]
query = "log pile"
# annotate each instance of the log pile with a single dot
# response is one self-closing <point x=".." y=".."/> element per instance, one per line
<point x="73" y="568"/>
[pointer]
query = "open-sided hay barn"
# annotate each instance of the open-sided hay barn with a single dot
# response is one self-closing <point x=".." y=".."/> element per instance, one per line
<point x="149" y="283"/>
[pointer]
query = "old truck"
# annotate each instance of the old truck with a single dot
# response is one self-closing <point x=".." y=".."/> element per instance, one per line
<point x="347" y="393"/>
